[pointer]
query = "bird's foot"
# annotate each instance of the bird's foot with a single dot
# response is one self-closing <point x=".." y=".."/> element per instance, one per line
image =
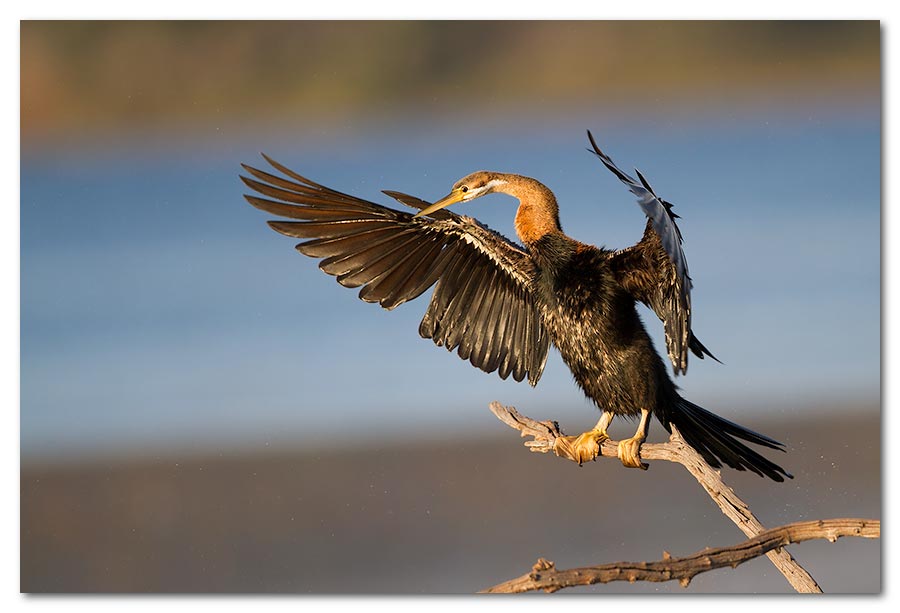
<point x="582" y="448"/>
<point x="629" y="452"/>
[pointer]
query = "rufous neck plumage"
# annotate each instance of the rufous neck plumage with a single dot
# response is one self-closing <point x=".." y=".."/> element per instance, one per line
<point x="538" y="213"/>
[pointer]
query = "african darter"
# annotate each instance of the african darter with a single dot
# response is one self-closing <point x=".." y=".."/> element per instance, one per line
<point x="501" y="305"/>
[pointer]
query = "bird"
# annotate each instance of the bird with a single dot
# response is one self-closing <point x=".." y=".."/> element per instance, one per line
<point x="501" y="304"/>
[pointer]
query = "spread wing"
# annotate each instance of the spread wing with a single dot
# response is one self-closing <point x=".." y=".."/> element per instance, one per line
<point x="481" y="306"/>
<point x="655" y="270"/>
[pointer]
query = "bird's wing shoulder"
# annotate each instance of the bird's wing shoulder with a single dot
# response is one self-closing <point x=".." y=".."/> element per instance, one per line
<point x="482" y="305"/>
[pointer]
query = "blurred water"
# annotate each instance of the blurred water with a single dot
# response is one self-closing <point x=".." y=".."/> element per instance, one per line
<point x="158" y="309"/>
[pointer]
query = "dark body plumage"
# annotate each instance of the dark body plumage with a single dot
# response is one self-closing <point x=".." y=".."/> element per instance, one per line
<point x="500" y="306"/>
<point x="611" y="356"/>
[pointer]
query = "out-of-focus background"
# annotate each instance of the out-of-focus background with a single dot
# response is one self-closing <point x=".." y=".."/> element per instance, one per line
<point x="203" y="410"/>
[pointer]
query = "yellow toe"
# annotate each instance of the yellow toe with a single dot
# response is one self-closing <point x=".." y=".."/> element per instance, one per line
<point x="582" y="448"/>
<point x="629" y="452"/>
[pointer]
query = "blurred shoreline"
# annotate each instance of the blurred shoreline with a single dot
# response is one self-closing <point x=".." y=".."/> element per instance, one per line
<point x="306" y="438"/>
<point x="93" y="78"/>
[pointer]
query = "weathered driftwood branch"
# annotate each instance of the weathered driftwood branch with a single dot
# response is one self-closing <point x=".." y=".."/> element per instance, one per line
<point x="544" y="435"/>
<point x="545" y="576"/>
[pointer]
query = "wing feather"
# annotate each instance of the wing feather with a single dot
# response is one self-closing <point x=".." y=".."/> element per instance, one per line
<point x="464" y="315"/>
<point x="472" y="333"/>
<point x="481" y="306"/>
<point x="326" y="229"/>
<point x="296" y="212"/>
<point x="437" y="268"/>
<point x="394" y="269"/>
<point x="373" y="270"/>
<point x="384" y="288"/>
<point x="505" y="332"/>
<point x="499" y="318"/>
<point x="519" y="366"/>
<point x="326" y="247"/>
<point x="349" y="260"/>
<point x="405" y="290"/>
<point x="655" y="270"/>
<point x="428" y="328"/>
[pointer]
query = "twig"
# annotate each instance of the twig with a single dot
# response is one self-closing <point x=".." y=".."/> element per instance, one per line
<point x="544" y="436"/>
<point x="545" y="576"/>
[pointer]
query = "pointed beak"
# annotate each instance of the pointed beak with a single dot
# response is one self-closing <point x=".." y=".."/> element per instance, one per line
<point x="451" y="198"/>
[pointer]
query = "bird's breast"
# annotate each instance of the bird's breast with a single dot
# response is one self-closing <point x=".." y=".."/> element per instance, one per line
<point x="594" y="324"/>
<point x="580" y="306"/>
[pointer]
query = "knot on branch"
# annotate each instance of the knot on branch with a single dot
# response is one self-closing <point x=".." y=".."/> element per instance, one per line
<point x="541" y="565"/>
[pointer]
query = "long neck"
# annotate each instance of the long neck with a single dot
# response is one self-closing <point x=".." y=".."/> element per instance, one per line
<point x="538" y="213"/>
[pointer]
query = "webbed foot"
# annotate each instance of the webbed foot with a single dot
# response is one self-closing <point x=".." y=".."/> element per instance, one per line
<point x="629" y="452"/>
<point x="582" y="448"/>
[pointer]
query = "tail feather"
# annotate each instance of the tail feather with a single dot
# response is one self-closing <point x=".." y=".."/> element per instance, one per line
<point x="716" y="439"/>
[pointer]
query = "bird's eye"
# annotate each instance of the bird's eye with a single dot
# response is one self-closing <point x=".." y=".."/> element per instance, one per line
<point x="464" y="188"/>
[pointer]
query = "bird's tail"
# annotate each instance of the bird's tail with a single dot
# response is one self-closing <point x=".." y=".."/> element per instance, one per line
<point x="716" y="439"/>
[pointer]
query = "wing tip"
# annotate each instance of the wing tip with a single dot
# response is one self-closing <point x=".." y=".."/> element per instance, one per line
<point x="594" y="144"/>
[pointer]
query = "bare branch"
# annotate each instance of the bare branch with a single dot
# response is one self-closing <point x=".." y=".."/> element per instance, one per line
<point x="544" y="435"/>
<point x="545" y="576"/>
